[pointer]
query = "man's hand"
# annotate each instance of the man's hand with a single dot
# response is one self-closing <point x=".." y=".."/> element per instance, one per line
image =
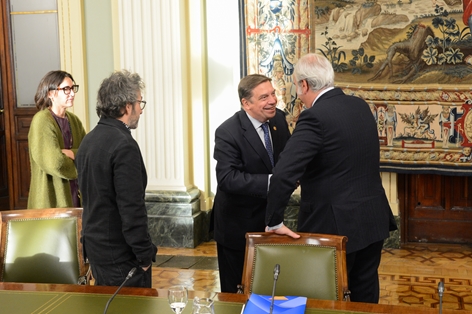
<point x="284" y="230"/>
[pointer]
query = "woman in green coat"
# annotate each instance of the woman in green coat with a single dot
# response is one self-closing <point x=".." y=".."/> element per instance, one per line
<point x="53" y="140"/>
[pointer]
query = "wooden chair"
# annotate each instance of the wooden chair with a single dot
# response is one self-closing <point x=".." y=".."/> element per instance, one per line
<point x="42" y="246"/>
<point x="313" y="266"/>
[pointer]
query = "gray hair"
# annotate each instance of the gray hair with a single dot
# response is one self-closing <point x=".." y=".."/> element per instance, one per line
<point x="116" y="91"/>
<point x="316" y="70"/>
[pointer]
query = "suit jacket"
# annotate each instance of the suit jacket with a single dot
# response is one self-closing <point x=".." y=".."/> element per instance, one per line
<point x="242" y="171"/>
<point x="334" y="152"/>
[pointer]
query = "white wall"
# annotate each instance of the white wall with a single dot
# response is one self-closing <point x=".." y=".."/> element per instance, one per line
<point x="213" y="100"/>
<point x="99" y="50"/>
<point x="223" y="67"/>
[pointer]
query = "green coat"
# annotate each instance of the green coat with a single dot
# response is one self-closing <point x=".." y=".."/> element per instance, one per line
<point x="51" y="170"/>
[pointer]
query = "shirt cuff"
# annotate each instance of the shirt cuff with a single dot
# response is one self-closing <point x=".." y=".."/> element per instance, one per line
<point x="268" y="183"/>
<point x="275" y="227"/>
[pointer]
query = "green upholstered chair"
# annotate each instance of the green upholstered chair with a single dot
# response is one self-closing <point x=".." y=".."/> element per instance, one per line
<point x="42" y="246"/>
<point x="313" y="266"/>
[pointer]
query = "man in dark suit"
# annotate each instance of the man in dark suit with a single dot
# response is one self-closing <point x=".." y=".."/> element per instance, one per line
<point x="243" y="169"/>
<point x="334" y="153"/>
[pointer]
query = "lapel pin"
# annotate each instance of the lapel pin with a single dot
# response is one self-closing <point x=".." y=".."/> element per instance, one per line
<point x="275" y="129"/>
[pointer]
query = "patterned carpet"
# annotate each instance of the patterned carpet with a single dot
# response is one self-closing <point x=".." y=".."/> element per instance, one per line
<point x="408" y="276"/>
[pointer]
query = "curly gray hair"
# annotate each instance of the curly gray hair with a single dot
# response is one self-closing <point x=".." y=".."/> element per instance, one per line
<point x="116" y="91"/>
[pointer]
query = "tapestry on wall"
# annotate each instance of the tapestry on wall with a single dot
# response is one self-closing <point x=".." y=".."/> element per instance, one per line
<point x="410" y="60"/>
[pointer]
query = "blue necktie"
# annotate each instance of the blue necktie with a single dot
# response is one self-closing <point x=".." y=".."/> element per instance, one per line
<point x="268" y="145"/>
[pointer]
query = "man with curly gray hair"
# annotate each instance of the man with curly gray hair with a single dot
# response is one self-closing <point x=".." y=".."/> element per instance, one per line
<point x="112" y="181"/>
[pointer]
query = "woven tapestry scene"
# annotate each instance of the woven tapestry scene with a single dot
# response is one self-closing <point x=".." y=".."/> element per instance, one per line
<point x="411" y="60"/>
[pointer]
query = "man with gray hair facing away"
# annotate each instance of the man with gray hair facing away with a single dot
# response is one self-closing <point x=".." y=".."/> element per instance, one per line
<point x="334" y="152"/>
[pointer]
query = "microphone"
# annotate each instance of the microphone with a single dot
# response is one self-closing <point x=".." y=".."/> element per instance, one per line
<point x="276" y="276"/>
<point x="130" y="274"/>
<point x="440" y="291"/>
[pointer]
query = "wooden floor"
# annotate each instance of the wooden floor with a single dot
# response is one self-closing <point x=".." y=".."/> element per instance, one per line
<point x="408" y="276"/>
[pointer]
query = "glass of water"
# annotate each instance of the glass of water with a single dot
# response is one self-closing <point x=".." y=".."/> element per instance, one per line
<point x="178" y="297"/>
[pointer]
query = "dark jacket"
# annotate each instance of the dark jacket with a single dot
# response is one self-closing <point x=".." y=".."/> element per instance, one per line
<point x="334" y="152"/>
<point x="242" y="171"/>
<point x="112" y="181"/>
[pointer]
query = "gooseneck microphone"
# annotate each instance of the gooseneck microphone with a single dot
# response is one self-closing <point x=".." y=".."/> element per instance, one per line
<point x="440" y="292"/>
<point x="130" y="274"/>
<point x="276" y="276"/>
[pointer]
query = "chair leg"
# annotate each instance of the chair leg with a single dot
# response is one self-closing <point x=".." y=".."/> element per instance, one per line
<point x="347" y="295"/>
<point x="85" y="279"/>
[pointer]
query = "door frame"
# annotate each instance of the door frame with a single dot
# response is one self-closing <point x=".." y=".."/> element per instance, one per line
<point x="8" y="96"/>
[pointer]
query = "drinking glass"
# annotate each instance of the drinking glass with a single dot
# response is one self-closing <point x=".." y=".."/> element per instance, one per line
<point x="178" y="297"/>
<point x="203" y="306"/>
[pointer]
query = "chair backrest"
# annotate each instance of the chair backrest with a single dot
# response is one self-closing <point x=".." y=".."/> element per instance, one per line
<point x="313" y="266"/>
<point x="42" y="246"/>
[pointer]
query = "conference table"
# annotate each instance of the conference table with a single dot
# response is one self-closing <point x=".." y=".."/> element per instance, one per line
<point x="19" y="298"/>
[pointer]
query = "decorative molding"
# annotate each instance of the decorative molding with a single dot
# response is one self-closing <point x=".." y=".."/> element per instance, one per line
<point x="389" y="182"/>
<point x="150" y="44"/>
<point x="72" y="47"/>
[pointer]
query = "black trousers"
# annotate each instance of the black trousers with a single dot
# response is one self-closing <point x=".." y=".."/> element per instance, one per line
<point x="230" y="267"/>
<point x="115" y="274"/>
<point x="363" y="277"/>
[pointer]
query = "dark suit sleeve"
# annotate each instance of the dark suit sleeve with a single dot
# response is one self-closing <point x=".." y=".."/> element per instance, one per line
<point x="239" y="169"/>
<point x="302" y="147"/>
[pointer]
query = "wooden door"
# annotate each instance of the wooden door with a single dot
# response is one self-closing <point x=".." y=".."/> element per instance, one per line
<point x="4" y="198"/>
<point x="19" y="154"/>
<point x="14" y="142"/>
<point x="4" y="134"/>
<point x="435" y="208"/>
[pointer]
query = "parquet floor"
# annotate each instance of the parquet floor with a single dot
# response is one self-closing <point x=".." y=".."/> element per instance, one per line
<point x="408" y="276"/>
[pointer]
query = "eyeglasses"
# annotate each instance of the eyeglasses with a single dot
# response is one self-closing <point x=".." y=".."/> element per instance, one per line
<point x="142" y="104"/>
<point x="67" y="89"/>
